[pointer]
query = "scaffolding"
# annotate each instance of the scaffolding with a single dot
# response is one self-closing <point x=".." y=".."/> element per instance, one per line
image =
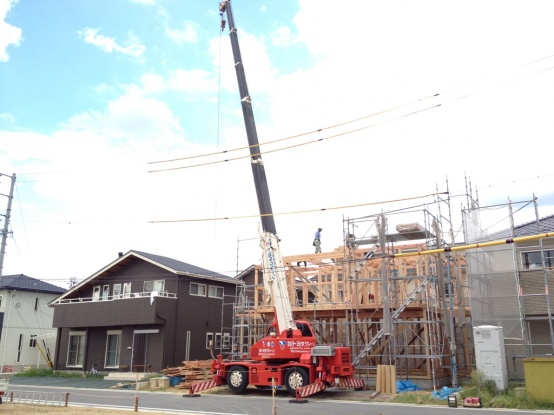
<point x="410" y="297"/>
<point x="510" y="283"/>
<point x="402" y="311"/>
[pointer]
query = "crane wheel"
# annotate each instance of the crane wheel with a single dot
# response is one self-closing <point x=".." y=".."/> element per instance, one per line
<point x="295" y="378"/>
<point x="237" y="379"/>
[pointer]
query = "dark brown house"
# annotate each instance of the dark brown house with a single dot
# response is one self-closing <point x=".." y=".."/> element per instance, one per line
<point x="143" y="312"/>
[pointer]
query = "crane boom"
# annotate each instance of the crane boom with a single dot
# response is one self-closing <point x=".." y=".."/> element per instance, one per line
<point x="274" y="273"/>
<point x="288" y="354"/>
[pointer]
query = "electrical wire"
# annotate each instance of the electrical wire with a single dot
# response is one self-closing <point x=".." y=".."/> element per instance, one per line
<point x="296" y="145"/>
<point x="297" y="212"/>
<point x="349" y="122"/>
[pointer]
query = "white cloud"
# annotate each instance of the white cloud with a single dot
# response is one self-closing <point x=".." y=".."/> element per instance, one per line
<point x="283" y="36"/>
<point x="6" y="116"/>
<point x="108" y="44"/>
<point x="187" y="34"/>
<point x="131" y="118"/>
<point x="9" y="34"/>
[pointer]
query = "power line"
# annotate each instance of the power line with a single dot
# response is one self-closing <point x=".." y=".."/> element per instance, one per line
<point x="299" y="211"/>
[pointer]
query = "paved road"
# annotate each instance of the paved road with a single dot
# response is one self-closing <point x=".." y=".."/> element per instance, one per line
<point x="93" y="392"/>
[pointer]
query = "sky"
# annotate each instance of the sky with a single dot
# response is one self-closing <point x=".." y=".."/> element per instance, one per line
<point x="117" y="119"/>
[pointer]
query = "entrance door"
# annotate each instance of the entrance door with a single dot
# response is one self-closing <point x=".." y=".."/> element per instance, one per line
<point x="139" y="359"/>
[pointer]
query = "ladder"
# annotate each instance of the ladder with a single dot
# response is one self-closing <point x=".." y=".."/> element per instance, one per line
<point x="395" y="314"/>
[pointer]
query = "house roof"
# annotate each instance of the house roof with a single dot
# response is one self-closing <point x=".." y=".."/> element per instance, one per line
<point x="22" y="282"/>
<point x="543" y="225"/>
<point x="169" y="264"/>
<point x="246" y="272"/>
<point x="180" y="267"/>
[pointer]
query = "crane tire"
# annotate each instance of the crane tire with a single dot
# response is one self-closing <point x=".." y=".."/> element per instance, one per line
<point x="295" y="378"/>
<point x="237" y="379"/>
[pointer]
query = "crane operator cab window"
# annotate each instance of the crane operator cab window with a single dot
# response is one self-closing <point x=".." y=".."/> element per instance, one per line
<point x="304" y="329"/>
<point x="271" y="331"/>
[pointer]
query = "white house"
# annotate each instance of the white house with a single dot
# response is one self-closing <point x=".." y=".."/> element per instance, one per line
<point x="26" y="334"/>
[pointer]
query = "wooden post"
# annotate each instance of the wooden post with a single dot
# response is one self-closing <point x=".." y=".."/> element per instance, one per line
<point x="136" y="391"/>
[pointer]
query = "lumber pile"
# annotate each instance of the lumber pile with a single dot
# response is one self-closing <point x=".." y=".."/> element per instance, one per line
<point x="192" y="371"/>
<point x="386" y="379"/>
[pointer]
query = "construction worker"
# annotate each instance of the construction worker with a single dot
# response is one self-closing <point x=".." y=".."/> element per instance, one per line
<point x="317" y="240"/>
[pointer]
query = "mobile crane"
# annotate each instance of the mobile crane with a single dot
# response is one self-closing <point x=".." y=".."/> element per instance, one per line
<point x="288" y="355"/>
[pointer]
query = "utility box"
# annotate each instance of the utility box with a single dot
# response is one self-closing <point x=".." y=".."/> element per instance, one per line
<point x="490" y="354"/>
<point x="539" y="377"/>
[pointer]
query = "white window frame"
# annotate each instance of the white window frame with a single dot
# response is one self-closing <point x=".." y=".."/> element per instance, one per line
<point x="153" y="285"/>
<point x="209" y="340"/>
<point x="110" y="334"/>
<point x="217" y="341"/>
<point x="105" y="293"/>
<point x="547" y="256"/>
<point x="126" y="290"/>
<point x="116" y="291"/>
<point x="96" y="293"/>
<point x="199" y="287"/>
<point x="215" y="288"/>
<point x="33" y="341"/>
<point x="226" y="342"/>
<point x="80" y="352"/>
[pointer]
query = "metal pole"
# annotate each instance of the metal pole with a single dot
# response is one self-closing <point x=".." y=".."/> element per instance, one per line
<point x="6" y="223"/>
<point x="450" y="317"/>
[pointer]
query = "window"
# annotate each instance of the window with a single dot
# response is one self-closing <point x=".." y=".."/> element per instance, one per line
<point x="116" y="291"/>
<point x="33" y="340"/>
<point x="218" y="340"/>
<point x="156" y="285"/>
<point x="106" y="293"/>
<point x="533" y="259"/>
<point x="209" y="340"/>
<point x="226" y="341"/>
<point x="113" y="343"/>
<point x="215" y="291"/>
<point x="197" y="289"/>
<point x="127" y="290"/>
<point x="96" y="293"/>
<point x="19" y="345"/>
<point x="1" y="298"/>
<point x="76" y="349"/>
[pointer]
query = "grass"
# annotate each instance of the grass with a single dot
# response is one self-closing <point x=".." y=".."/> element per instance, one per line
<point x="42" y="372"/>
<point x="479" y="387"/>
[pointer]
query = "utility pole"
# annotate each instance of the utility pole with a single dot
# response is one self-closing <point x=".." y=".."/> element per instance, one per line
<point x="6" y="221"/>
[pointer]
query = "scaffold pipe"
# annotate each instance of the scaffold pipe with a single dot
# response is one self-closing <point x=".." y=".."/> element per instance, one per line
<point x="475" y="246"/>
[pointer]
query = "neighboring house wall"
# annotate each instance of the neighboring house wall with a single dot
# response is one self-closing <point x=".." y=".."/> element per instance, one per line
<point x="138" y="328"/>
<point x="26" y="320"/>
<point x="510" y="288"/>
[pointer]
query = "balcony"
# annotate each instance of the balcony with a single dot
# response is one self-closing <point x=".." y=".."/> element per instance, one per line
<point x="134" y="309"/>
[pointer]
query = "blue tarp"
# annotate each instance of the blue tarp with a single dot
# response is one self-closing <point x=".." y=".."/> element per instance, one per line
<point x="406" y="386"/>
<point x="445" y="392"/>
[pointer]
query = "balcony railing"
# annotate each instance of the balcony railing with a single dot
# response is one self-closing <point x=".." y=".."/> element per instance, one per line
<point x="150" y="294"/>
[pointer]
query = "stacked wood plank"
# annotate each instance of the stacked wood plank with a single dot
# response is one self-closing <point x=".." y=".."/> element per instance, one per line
<point x="192" y="371"/>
